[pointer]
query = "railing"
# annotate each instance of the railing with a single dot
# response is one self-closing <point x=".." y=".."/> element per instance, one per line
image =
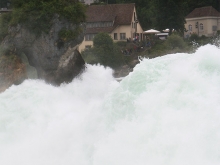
<point x="5" y="10"/>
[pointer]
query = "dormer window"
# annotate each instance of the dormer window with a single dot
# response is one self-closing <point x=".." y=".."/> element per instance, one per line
<point x="99" y="24"/>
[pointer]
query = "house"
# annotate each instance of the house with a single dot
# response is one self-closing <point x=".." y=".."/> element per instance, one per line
<point x="118" y="20"/>
<point x="202" y="21"/>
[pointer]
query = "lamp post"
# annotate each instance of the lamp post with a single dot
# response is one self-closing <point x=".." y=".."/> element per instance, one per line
<point x="197" y="26"/>
<point x="136" y="22"/>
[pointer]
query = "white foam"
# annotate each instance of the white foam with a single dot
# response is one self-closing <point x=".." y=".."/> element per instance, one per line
<point x="165" y="112"/>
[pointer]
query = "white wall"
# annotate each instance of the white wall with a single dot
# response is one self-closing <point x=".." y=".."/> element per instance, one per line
<point x="208" y="23"/>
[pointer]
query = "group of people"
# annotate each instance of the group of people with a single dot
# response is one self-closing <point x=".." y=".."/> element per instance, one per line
<point x="126" y="51"/>
<point x="129" y="51"/>
<point x="135" y="39"/>
<point x="148" y="43"/>
<point x="137" y="47"/>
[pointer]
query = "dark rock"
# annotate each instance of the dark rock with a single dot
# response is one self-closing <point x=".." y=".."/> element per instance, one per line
<point x="133" y="63"/>
<point x="56" y="61"/>
<point x="122" y="71"/>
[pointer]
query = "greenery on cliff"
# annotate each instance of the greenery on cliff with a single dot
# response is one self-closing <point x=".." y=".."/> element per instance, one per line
<point x="36" y="15"/>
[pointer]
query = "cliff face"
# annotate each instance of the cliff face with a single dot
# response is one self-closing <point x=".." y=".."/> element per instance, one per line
<point x="55" y="60"/>
<point x="12" y="71"/>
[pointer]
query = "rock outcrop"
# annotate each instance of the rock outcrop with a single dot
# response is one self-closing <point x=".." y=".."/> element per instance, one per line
<point x="55" y="60"/>
<point x="12" y="71"/>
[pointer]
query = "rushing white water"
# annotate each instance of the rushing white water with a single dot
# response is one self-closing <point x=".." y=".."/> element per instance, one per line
<point x="166" y="112"/>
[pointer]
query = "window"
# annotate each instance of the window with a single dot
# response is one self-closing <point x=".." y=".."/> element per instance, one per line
<point x="201" y="26"/>
<point x="88" y="46"/>
<point x="190" y="27"/>
<point x="214" y="28"/>
<point x="122" y="36"/>
<point x="134" y="16"/>
<point x="98" y="24"/>
<point x="115" y="36"/>
<point x="89" y="37"/>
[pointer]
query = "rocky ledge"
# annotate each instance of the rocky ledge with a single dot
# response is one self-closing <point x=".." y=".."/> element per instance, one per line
<point x="56" y="60"/>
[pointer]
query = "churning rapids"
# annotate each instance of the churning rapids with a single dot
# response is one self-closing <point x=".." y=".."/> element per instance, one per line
<point x="166" y="112"/>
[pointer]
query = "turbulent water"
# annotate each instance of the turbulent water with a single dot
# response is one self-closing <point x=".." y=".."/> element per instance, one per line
<point x="166" y="112"/>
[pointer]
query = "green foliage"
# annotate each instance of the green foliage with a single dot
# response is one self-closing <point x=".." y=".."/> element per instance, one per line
<point x="170" y="14"/>
<point x="192" y="4"/>
<point x="200" y="40"/>
<point x="121" y="43"/>
<point x="104" y="52"/>
<point x="175" y="41"/>
<point x="36" y="15"/>
<point x="104" y="41"/>
<point x="3" y="3"/>
<point x="194" y="37"/>
<point x="4" y="19"/>
<point x="66" y="34"/>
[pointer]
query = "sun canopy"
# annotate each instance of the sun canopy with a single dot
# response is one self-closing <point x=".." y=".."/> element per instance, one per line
<point x="151" y="31"/>
<point x="162" y="34"/>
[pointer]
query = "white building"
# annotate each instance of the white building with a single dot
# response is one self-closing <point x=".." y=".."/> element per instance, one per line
<point x="203" y="21"/>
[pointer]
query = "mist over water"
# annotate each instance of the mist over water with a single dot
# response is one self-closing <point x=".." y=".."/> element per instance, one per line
<point x="166" y="112"/>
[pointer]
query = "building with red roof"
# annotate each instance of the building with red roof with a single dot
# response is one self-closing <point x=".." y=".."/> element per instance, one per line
<point x="120" y="21"/>
<point x="202" y="21"/>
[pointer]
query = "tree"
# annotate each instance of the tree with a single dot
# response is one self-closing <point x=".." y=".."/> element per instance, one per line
<point x="3" y="3"/>
<point x="37" y="14"/>
<point x="170" y="14"/>
<point x="192" y="4"/>
<point x="103" y="40"/>
<point x="104" y="51"/>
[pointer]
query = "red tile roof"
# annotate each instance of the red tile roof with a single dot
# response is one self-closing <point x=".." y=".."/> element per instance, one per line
<point x="121" y="14"/>
<point x="203" y="12"/>
<point x="100" y="29"/>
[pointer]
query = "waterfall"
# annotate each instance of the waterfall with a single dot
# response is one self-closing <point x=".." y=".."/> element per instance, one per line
<point x="165" y="112"/>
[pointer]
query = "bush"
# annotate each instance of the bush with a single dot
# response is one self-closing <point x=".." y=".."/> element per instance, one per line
<point x="175" y="41"/>
<point x="121" y="43"/>
<point x="104" y="52"/>
<point x="103" y="40"/>
<point x="194" y="37"/>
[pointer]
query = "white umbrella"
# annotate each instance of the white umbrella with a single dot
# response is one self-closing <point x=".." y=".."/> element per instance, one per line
<point x="151" y="31"/>
<point x="166" y="30"/>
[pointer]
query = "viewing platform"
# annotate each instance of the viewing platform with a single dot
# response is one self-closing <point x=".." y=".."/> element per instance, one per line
<point x="5" y="10"/>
